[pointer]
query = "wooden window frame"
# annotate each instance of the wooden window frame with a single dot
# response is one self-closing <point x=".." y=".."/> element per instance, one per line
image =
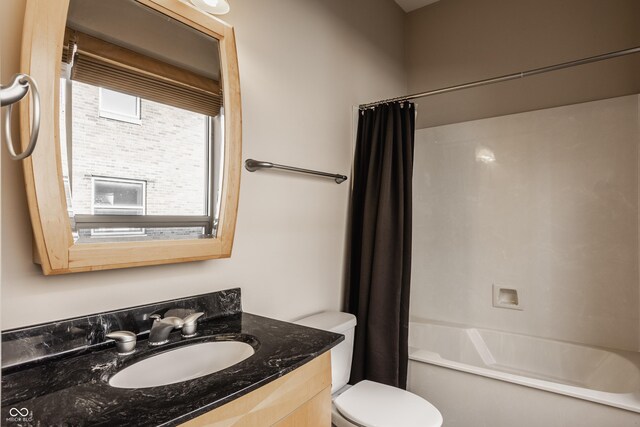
<point x="54" y="246"/>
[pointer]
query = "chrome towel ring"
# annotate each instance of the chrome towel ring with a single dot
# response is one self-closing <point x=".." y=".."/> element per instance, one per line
<point x="9" y="95"/>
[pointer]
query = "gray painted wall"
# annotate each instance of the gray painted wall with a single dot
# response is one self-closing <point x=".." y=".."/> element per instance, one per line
<point x="458" y="41"/>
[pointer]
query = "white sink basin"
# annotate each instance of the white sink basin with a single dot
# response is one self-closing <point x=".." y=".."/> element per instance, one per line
<point x="182" y="364"/>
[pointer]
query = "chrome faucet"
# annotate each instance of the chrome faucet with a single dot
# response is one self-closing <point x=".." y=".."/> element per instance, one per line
<point x="161" y="328"/>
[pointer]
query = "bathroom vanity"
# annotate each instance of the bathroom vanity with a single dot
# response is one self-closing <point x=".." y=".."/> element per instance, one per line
<point x="62" y="373"/>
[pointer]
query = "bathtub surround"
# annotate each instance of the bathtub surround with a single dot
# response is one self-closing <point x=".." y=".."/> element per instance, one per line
<point x="71" y="387"/>
<point x="380" y="244"/>
<point x="545" y="203"/>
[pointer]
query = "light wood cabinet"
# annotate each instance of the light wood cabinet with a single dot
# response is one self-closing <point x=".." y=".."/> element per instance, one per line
<point x="301" y="398"/>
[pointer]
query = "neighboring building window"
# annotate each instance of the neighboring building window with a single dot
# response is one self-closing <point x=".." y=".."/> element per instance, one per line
<point x="117" y="196"/>
<point x="119" y="106"/>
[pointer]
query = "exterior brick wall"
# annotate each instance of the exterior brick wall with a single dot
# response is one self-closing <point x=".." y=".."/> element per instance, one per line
<point x="167" y="150"/>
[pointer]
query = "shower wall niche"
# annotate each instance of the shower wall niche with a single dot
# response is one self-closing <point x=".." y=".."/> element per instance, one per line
<point x="545" y="202"/>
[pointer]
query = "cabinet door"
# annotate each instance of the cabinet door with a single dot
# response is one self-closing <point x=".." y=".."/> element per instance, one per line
<point x="307" y="389"/>
<point x="314" y="413"/>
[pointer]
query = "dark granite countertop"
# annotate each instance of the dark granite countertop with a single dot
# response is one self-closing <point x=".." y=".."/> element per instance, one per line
<point x="72" y="388"/>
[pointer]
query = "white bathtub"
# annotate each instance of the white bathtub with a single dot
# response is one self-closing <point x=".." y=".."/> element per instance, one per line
<point x="479" y="377"/>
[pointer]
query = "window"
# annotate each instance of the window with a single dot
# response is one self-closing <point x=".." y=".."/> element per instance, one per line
<point x="177" y="148"/>
<point x="119" y="106"/>
<point x="117" y="196"/>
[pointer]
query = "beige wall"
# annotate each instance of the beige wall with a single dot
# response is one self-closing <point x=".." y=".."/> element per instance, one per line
<point x="303" y="64"/>
<point x="457" y="41"/>
<point x="554" y="215"/>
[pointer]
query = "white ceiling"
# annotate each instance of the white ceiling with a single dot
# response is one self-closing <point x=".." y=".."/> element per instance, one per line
<point x="409" y="5"/>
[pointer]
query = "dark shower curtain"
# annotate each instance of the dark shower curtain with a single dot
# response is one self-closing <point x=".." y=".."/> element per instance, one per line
<point x="380" y="244"/>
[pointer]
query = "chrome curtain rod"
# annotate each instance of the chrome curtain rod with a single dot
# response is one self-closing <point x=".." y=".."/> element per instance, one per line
<point x="507" y="77"/>
<point x="253" y="165"/>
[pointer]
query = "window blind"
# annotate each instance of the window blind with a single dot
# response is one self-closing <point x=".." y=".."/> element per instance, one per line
<point x="100" y="63"/>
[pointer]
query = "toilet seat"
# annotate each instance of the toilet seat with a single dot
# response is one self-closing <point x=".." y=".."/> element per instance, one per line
<point x="373" y="404"/>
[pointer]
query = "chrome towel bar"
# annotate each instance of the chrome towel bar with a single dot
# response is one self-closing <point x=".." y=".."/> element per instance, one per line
<point x="253" y="165"/>
<point x="9" y="95"/>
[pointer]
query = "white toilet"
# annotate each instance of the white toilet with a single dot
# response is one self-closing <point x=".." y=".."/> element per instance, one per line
<point x="367" y="404"/>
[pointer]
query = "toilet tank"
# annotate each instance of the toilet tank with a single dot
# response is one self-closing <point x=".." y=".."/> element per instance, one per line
<point x="339" y="323"/>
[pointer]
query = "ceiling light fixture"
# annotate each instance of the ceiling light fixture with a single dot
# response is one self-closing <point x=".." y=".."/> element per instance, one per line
<point x="214" y="7"/>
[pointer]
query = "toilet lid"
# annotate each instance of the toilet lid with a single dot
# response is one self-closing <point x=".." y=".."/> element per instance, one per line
<point x="377" y="405"/>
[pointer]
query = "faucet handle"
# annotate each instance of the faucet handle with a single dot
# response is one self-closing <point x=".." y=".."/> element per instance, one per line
<point x="155" y="317"/>
<point x="192" y="318"/>
<point x="172" y="320"/>
<point x="125" y="341"/>
<point x="190" y="324"/>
